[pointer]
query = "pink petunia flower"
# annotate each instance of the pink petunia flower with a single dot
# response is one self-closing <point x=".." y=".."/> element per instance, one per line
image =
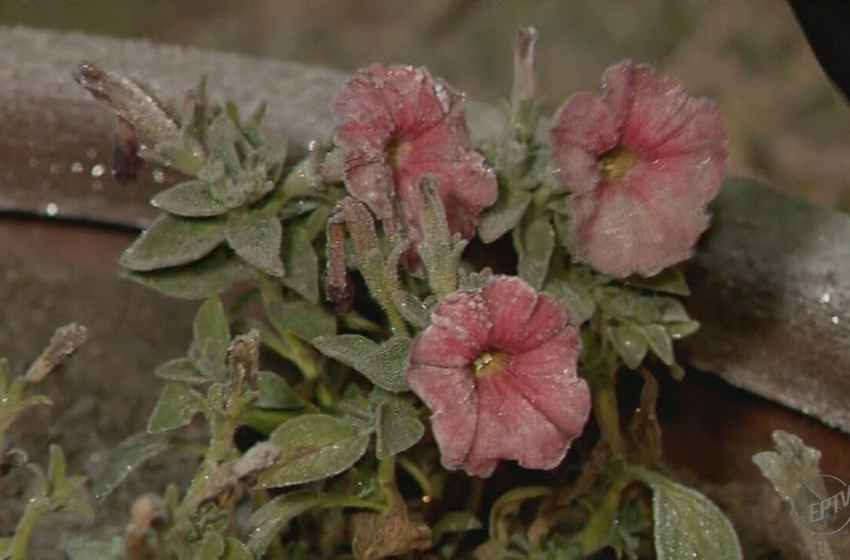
<point x="397" y="125"/>
<point x="642" y="161"/>
<point x="497" y="368"/>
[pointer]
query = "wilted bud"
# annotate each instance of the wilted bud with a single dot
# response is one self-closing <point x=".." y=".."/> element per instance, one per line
<point x="524" y="81"/>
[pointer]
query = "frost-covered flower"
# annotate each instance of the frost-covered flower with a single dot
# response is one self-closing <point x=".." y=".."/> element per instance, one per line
<point x="642" y="161"/>
<point x="397" y="125"/>
<point x="497" y="368"/>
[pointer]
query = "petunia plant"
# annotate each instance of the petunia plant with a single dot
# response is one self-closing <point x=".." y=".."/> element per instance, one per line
<point x="408" y="400"/>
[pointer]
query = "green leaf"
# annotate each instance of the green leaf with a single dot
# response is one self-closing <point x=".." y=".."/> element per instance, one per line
<point x="303" y="319"/>
<point x="534" y="242"/>
<point x="632" y="306"/>
<point x="176" y="406"/>
<point x="182" y="370"/>
<point x="210" y="339"/>
<point x="456" y="522"/>
<point x="687" y="524"/>
<point x="235" y="550"/>
<point x="670" y="280"/>
<point x="503" y="216"/>
<point x="383" y="365"/>
<point x="191" y="199"/>
<point x="412" y="309"/>
<point x="276" y="393"/>
<point x="681" y="330"/>
<point x="314" y="447"/>
<point x="256" y="237"/>
<point x="578" y="300"/>
<point x="129" y="454"/>
<point x="267" y="522"/>
<point x="198" y="280"/>
<point x="55" y="466"/>
<point x="659" y="342"/>
<point x="672" y="311"/>
<point x="792" y="465"/>
<point x="630" y="343"/>
<point x="172" y="241"/>
<point x="397" y="427"/>
<point x="301" y="265"/>
<point x="222" y="136"/>
<point x="211" y="547"/>
<point x="84" y="549"/>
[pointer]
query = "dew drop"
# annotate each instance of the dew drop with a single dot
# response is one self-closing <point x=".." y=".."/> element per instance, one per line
<point x="55" y="168"/>
<point x="835" y="320"/>
<point x="98" y="170"/>
<point x="51" y="209"/>
<point x="826" y="297"/>
<point x="91" y="153"/>
<point x="158" y="176"/>
<point x="76" y="167"/>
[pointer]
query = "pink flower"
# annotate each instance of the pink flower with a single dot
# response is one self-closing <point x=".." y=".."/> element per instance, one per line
<point x="642" y="162"/>
<point x="497" y="368"/>
<point x="397" y="125"/>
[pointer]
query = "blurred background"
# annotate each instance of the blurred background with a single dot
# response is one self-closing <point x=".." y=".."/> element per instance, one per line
<point x="787" y="125"/>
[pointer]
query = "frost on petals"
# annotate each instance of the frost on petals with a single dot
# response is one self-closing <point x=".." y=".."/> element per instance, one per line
<point x="397" y="125"/>
<point x="497" y="369"/>
<point x="642" y="162"/>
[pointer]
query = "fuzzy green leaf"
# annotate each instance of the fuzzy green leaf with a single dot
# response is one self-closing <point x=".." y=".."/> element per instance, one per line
<point x="314" y="447"/>
<point x="182" y="370"/>
<point x="276" y="393"/>
<point x="172" y="241"/>
<point x="383" y="365"/>
<point x="235" y="550"/>
<point x="302" y="319"/>
<point x="503" y="216"/>
<point x="256" y="238"/>
<point x="397" y="427"/>
<point x="412" y="309"/>
<point x="578" y="300"/>
<point x="681" y="330"/>
<point x="630" y="344"/>
<point x="84" y="549"/>
<point x="265" y="523"/>
<point x="198" y="280"/>
<point x="301" y="265"/>
<point x="534" y="242"/>
<point x="191" y="199"/>
<point x="670" y="280"/>
<point x="129" y="454"/>
<point x="659" y="342"/>
<point x="210" y="338"/>
<point x="687" y="524"/>
<point x="176" y="406"/>
<point x="210" y="548"/>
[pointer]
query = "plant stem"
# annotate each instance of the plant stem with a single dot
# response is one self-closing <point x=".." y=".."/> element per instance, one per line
<point x="607" y="415"/>
<point x="597" y="530"/>
<point x="35" y="508"/>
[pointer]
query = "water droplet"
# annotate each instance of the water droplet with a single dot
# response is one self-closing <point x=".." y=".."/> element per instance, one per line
<point x="76" y="167"/>
<point x="825" y="297"/>
<point x="158" y="176"/>
<point x="91" y="153"/>
<point x="55" y="168"/>
<point x="98" y="170"/>
<point x="51" y="209"/>
<point x="835" y="320"/>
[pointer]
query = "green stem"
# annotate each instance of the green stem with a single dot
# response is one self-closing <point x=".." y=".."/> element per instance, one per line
<point x="607" y="415"/>
<point x="24" y="529"/>
<point x="597" y="530"/>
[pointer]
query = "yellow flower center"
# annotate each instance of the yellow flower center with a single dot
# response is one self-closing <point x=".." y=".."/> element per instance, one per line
<point x="490" y="363"/>
<point x="618" y="162"/>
